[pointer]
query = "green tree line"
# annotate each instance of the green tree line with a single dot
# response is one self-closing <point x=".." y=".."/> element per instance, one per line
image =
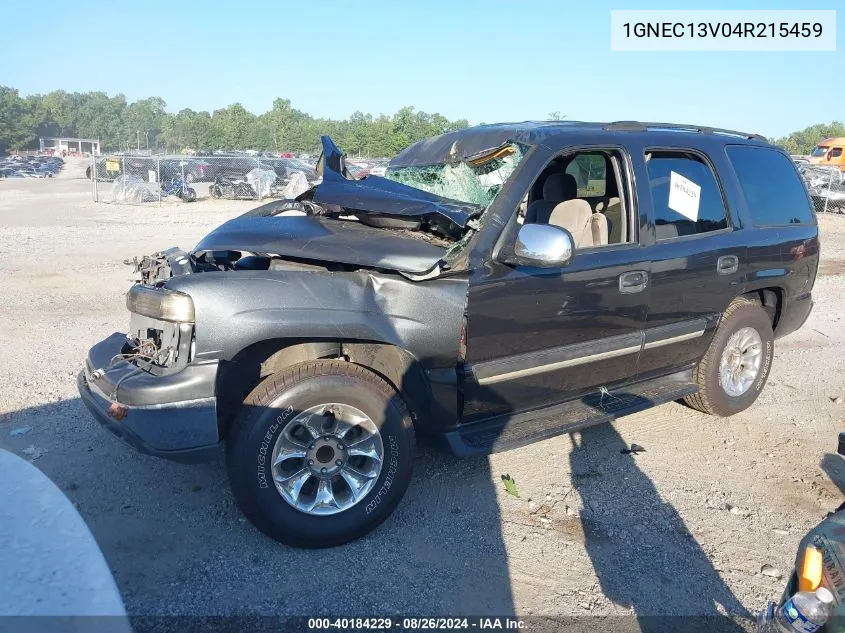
<point x="803" y="141"/>
<point x="121" y="125"/>
<point x="146" y="124"/>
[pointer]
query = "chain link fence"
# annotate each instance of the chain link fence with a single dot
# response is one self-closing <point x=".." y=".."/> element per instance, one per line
<point x="826" y="186"/>
<point x="132" y="179"/>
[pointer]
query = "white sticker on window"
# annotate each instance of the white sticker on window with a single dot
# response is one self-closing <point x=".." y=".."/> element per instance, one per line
<point x="684" y="196"/>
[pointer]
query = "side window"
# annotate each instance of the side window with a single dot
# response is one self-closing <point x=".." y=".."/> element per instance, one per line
<point x="587" y="194"/>
<point x="836" y="152"/>
<point x="686" y="196"/>
<point x="772" y="188"/>
<point x="590" y="173"/>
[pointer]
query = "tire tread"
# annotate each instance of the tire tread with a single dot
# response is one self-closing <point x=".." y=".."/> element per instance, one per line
<point x="703" y="399"/>
<point x="264" y="393"/>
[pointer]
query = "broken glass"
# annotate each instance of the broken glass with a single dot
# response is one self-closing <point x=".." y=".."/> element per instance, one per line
<point x="476" y="180"/>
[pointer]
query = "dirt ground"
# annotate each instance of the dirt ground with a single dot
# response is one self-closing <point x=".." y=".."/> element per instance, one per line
<point x="683" y="528"/>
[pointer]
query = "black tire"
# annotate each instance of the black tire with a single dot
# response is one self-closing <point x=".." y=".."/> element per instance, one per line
<point x="88" y="173"/>
<point x="190" y="194"/>
<point x="712" y="398"/>
<point x="214" y="191"/>
<point x="279" y="399"/>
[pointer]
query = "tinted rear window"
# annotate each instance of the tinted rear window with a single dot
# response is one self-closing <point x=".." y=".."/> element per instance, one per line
<point x="772" y="188"/>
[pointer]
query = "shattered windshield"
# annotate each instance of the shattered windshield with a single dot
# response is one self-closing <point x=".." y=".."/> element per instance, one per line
<point x="476" y="180"/>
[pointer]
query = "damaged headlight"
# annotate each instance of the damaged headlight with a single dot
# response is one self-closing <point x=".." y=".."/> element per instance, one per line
<point x="159" y="303"/>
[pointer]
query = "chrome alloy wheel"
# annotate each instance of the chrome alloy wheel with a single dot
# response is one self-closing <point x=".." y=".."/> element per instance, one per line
<point x="327" y="459"/>
<point x="740" y="362"/>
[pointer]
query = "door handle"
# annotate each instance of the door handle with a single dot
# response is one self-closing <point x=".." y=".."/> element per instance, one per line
<point x="633" y="281"/>
<point x="727" y="264"/>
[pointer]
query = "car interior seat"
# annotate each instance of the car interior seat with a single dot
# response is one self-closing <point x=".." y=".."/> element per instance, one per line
<point x="557" y="188"/>
<point x="576" y="216"/>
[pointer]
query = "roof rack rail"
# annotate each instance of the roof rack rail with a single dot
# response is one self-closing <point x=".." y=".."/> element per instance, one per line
<point x="637" y="126"/>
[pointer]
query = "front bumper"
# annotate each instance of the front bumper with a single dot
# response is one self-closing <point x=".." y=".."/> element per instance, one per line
<point x="171" y="415"/>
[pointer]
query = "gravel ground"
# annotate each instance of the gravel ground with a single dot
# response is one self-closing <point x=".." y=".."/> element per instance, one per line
<point x="682" y="528"/>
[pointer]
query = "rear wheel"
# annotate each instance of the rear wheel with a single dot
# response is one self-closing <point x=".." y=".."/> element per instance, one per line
<point x="737" y="363"/>
<point x="214" y="191"/>
<point x="320" y="453"/>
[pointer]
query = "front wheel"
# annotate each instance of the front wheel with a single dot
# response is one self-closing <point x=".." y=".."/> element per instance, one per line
<point x="737" y="363"/>
<point x="190" y="194"/>
<point x="320" y="453"/>
<point x="214" y="192"/>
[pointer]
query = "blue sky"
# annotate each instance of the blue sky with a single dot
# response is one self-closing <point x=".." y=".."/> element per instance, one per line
<point x="484" y="60"/>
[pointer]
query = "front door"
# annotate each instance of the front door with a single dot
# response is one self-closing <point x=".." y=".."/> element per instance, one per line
<point x="539" y="336"/>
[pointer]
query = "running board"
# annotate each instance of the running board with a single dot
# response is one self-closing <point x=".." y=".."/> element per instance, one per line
<point x="513" y="430"/>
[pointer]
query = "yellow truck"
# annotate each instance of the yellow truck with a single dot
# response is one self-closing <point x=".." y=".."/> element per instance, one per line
<point x="829" y="153"/>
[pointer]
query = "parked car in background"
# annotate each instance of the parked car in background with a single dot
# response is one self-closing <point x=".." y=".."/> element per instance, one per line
<point x="31" y="167"/>
<point x="191" y="169"/>
<point x="152" y="168"/>
<point x="379" y="168"/>
<point x="286" y="167"/>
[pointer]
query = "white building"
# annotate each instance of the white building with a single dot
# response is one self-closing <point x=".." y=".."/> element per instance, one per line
<point x="70" y="145"/>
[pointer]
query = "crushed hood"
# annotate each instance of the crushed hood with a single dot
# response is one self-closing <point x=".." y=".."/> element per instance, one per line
<point x="375" y="194"/>
<point x="323" y="239"/>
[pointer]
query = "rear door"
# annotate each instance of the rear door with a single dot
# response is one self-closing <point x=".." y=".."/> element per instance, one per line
<point x="697" y="257"/>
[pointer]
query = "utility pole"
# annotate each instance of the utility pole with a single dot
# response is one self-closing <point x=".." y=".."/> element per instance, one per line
<point x="138" y="138"/>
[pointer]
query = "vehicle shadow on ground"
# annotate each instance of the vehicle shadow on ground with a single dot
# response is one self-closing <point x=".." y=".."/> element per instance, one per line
<point x="177" y="543"/>
<point x="833" y="465"/>
<point x="644" y="555"/>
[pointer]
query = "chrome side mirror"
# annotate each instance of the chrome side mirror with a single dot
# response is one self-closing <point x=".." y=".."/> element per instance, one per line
<point x="543" y="245"/>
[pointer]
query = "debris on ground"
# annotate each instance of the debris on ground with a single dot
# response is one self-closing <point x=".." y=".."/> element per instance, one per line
<point x="34" y="453"/>
<point x="837" y="400"/>
<point x="771" y="572"/>
<point x="510" y="485"/>
<point x="634" y="449"/>
<point x="21" y="430"/>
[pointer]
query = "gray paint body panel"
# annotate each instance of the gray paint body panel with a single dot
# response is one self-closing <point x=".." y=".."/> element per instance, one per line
<point x="238" y="308"/>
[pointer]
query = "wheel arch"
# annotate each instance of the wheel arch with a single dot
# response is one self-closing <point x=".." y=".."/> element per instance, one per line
<point x="251" y="365"/>
<point x="771" y="300"/>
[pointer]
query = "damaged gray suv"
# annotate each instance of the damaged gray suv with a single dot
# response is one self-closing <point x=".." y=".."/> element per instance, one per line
<point x="500" y="285"/>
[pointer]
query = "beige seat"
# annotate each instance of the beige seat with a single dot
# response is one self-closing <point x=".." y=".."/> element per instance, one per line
<point x="613" y="213"/>
<point x="557" y="188"/>
<point x="576" y="216"/>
